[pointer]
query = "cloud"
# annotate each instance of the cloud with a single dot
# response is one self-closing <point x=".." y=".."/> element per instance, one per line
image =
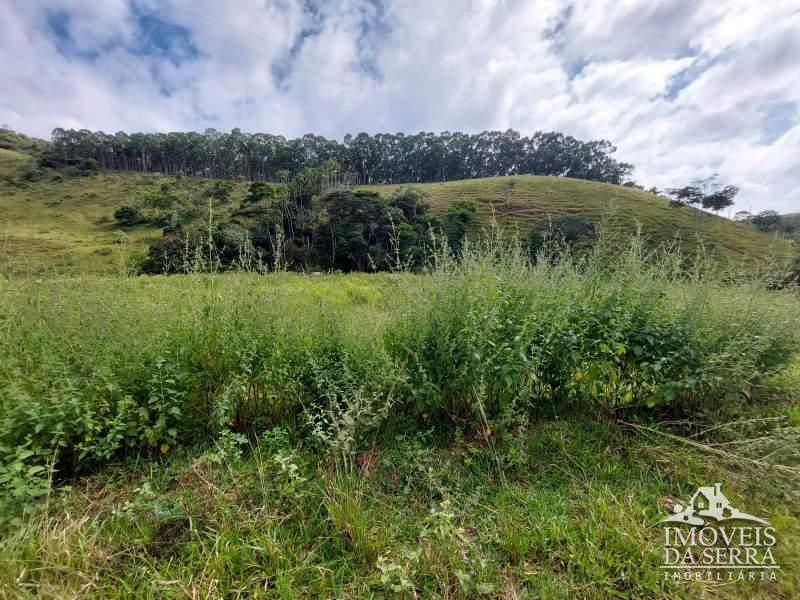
<point x="684" y="88"/>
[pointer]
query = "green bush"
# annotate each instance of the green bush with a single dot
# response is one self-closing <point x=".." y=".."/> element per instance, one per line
<point x="632" y="331"/>
<point x="128" y="216"/>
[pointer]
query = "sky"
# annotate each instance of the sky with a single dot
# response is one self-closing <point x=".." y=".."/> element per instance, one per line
<point x="683" y="88"/>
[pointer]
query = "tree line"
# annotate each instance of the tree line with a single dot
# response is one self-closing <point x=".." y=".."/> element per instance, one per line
<point x="359" y="159"/>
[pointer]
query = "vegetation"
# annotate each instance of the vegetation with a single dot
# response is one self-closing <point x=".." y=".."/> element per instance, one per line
<point x="770" y="221"/>
<point x="63" y="221"/>
<point x="392" y="433"/>
<point x="382" y="158"/>
<point x="708" y="193"/>
<point x="507" y="418"/>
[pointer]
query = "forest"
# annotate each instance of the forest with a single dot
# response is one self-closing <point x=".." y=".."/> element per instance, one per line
<point x="360" y="159"/>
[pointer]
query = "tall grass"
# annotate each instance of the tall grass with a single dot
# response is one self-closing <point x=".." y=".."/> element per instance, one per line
<point x="92" y="369"/>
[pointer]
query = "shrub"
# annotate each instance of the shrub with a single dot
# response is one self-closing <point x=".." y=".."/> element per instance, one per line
<point x="128" y="216"/>
<point x="499" y="330"/>
<point x="220" y="190"/>
<point x="573" y="231"/>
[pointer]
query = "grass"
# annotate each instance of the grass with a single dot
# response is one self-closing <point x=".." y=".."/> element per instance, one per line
<point x="491" y="428"/>
<point x="556" y="509"/>
<point x="65" y="226"/>
<point x="526" y="200"/>
<point x="458" y="434"/>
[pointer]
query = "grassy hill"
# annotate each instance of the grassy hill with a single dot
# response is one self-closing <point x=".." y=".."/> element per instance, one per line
<point x="792" y="220"/>
<point x="524" y="201"/>
<point x="55" y="223"/>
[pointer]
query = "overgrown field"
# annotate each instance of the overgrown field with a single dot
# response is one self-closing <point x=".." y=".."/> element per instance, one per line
<point x="493" y="427"/>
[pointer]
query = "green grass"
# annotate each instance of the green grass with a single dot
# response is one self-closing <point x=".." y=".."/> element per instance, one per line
<point x="457" y="435"/>
<point x="524" y="201"/>
<point x="493" y="428"/>
<point x="555" y="509"/>
<point x="66" y="226"/>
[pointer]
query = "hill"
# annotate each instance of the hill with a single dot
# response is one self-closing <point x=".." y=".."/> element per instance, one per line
<point x="791" y="224"/>
<point x="54" y="221"/>
<point x="524" y="201"/>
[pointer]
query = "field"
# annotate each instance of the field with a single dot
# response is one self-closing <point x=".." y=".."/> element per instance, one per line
<point x="64" y="225"/>
<point x="489" y="429"/>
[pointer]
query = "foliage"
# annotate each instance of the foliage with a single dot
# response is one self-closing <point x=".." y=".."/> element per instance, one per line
<point x="257" y="192"/>
<point x="128" y="216"/>
<point x="572" y="231"/>
<point x="457" y="222"/>
<point x="346" y="360"/>
<point x="342" y="229"/>
<point x="767" y="221"/>
<point x="570" y="512"/>
<point x="73" y="234"/>
<point x="354" y="230"/>
<point x="708" y="193"/>
<point x="382" y="158"/>
<point x="11" y="140"/>
<point x="221" y="191"/>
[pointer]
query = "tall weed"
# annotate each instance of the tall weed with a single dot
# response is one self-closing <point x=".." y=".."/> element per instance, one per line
<point x="95" y="369"/>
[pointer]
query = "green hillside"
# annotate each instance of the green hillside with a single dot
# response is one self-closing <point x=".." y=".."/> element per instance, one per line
<point x="791" y="221"/>
<point x="524" y="201"/>
<point x="55" y="223"/>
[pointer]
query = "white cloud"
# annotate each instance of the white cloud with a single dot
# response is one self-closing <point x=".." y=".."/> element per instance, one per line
<point x="683" y="87"/>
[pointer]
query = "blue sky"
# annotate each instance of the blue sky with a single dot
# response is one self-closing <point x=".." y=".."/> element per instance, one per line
<point x="684" y="88"/>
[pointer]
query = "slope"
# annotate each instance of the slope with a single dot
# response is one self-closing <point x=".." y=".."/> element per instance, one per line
<point x="56" y="223"/>
<point x="526" y="200"/>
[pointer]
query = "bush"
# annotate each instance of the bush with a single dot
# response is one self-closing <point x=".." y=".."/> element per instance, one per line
<point x="569" y="230"/>
<point x="128" y="216"/>
<point x="32" y="173"/>
<point x="220" y="190"/>
<point x="601" y="334"/>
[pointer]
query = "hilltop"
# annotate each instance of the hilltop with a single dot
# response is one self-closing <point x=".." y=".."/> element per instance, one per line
<point x="56" y="221"/>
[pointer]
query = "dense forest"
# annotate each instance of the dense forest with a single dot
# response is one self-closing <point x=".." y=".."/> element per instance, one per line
<point x="295" y="226"/>
<point x="360" y="159"/>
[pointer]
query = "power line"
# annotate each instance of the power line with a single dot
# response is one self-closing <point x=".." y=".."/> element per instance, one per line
<point x="246" y="49"/>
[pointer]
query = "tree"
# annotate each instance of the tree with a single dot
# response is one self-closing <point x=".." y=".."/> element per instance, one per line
<point x="767" y="221"/>
<point x="720" y="199"/>
<point x="708" y="193"/>
<point x="411" y="236"/>
<point x="353" y="230"/>
<point x="457" y="221"/>
<point x="571" y="230"/>
<point x="365" y="158"/>
<point x="257" y="192"/>
<point x="128" y="216"/>
<point x="687" y="195"/>
<point x="221" y="191"/>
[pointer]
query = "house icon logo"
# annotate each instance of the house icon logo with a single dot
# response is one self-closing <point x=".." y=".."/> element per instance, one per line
<point x="709" y="504"/>
<point x="721" y="544"/>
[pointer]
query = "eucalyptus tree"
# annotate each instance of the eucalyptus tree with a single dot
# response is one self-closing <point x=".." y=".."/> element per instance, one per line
<point x="379" y="158"/>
